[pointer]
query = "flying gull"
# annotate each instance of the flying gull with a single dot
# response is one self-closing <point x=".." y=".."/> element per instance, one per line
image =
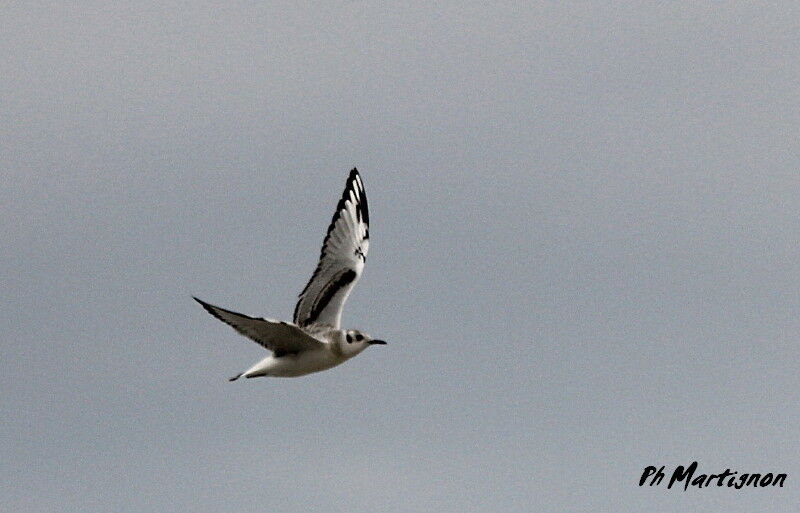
<point x="314" y="341"/>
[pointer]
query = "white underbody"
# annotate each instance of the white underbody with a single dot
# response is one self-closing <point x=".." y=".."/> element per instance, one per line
<point x="293" y="365"/>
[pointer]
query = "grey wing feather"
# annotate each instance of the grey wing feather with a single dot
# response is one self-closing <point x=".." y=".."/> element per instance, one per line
<point x="341" y="261"/>
<point x="279" y="337"/>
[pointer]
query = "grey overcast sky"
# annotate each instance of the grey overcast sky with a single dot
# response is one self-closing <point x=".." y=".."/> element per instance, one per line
<point x="585" y="232"/>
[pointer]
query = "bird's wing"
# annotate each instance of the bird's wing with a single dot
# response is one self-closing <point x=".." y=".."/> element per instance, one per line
<point x="277" y="336"/>
<point x="341" y="260"/>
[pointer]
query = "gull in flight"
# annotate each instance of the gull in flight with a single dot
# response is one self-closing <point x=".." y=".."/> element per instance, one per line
<point x="314" y="341"/>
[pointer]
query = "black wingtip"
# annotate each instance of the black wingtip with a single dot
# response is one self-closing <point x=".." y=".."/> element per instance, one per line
<point x="235" y="377"/>
<point x="211" y="309"/>
<point x="363" y="207"/>
<point x="204" y="305"/>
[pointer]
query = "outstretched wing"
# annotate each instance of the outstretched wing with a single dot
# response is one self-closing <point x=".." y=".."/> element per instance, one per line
<point x="279" y="337"/>
<point x="341" y="260"/>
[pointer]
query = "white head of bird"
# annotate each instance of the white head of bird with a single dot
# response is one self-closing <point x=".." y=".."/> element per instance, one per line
<point x="355" y="341"/>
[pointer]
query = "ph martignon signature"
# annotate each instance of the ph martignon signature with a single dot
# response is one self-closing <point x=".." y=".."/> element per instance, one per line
<point x="728" y="478"/>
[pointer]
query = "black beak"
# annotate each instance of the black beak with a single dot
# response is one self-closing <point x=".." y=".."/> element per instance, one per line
<point x="379" y="342"/>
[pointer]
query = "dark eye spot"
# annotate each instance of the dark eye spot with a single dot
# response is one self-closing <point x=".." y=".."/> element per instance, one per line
<point x="359" y="337"/>
<point x="349" y="338"/>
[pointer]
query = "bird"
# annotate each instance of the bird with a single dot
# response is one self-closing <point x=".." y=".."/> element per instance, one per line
<point x="314" y="341"/>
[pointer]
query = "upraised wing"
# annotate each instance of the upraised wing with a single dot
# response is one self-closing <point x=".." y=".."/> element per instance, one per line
<point x="341" y="260"/>
<point x="279" y="337"/>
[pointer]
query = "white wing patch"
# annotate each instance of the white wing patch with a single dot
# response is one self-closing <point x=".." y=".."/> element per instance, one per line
<point x="341" y="260"/>
<point x="279" y="337"/>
